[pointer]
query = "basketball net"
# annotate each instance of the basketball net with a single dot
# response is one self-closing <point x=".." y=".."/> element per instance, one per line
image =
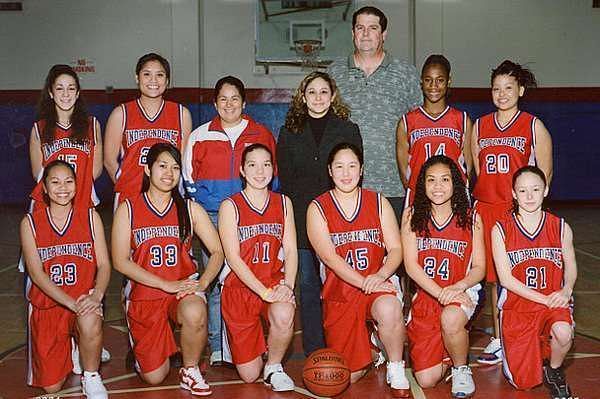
<point x="308" y="52"/>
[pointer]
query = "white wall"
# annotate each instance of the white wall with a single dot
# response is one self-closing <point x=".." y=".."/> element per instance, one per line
<point x="112" y="34"/>
<point x="206" y="39"/>
<point x="233" y="22"/>
<point x="558" y="39"/>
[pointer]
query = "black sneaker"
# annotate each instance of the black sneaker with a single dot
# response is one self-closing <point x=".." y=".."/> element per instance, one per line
<point x="555" y="381"/>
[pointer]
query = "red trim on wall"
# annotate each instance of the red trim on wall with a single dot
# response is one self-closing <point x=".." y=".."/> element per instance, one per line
<point x="194" y="95"/>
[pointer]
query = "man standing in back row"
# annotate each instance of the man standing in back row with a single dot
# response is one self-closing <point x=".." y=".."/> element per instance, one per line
<point x="379" y="89"/>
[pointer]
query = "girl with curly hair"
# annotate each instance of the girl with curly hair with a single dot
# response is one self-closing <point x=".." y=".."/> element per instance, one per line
<point x="67" y="132"/>
<point x="443" y="253"/>
<point x="316" y="121"/>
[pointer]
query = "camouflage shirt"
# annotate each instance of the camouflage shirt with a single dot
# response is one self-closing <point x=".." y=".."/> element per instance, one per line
<point x="377" y="103"/>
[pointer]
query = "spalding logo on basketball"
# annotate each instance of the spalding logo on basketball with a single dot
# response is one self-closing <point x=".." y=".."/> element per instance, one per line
<point x="325" y="373"/>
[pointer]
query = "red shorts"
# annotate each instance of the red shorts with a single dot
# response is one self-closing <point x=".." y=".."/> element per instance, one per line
<point x="242" y="311"/>
<point x="490" y="214"/>
<point x="526" y="343"/>
<point x="345" y="327"/>
<point x="424" y="328"/>
<point x="50" y="332"/>
<point x="150" y="331"/>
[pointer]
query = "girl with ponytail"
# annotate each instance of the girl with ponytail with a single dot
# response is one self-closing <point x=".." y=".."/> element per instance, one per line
<point x="503" y="142"/>
<point x="151" y="246"/>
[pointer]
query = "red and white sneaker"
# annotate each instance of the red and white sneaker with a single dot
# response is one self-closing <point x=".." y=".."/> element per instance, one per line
<point x="191" y="379"/>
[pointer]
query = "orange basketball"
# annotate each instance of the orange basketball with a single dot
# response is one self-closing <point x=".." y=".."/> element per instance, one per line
<point x="325" y="373"/>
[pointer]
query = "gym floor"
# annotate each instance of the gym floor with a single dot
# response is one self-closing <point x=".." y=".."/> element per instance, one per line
<point x="582" y="364"/>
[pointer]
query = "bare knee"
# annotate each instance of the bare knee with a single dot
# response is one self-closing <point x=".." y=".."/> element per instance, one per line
<point x="452" y="320"/>
<point x="193" y="316"/>
<point x="562" y="333"/>
<point x="282" y="317"/>
<point x="55" y="387"/>
<point x="158" y="375"/>
<point x="387" y="311"/>
<point x="427" y="380"/>
<point x="89" y="325"/>
<point x="249" y="375"/>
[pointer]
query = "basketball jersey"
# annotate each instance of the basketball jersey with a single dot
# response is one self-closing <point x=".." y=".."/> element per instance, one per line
<point x="502" y="151"/>
<point x="79" y="155"/>
<point x="446" y="254"/>
<point x="140" y="132"/>
<point x="68" y="255"/>
<point x="260" y="232"/>
<point x="156" y="246"/>
<point x="428" y="136"/>
<point x="536" y="258"/>
<point x="358" y="239"/>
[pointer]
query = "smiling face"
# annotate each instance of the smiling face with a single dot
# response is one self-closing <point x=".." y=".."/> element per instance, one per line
<point x="438" y="184"/>
<point x="434" y="83"/>
<point x="164" y="173"/>
<point x="64" y="92"/>
<point x="506" y="92"/>
<point x="345" y="170"/>
<point x="257" y="169"/>
<point x="229" y="105"/>
<point x="367" y="34"/>
<point x="318" y="97"/>
<point x="152" y="79"/>
<point x="529" y="191"/>
<point x="59" y="185"/>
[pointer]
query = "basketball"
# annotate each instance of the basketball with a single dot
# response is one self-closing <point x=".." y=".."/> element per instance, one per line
<point x="325" y="373"/>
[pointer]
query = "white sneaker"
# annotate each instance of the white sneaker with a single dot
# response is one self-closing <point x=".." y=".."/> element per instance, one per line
<point x="104" y="357"/>
<point x="92" y="386"/>
<point x="396" y="377"/>
<point x="462" y="382"/>
<point x="215" y="357"/>
<point x="492" y="354"/>
<point x="277" y="379"/>
<point x="191" y="379"/>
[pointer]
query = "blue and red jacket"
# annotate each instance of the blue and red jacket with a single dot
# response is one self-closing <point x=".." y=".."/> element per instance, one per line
<point x="211" y="164"/>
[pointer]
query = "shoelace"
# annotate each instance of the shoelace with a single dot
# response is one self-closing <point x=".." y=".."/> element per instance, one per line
<point x="456" y="372"/>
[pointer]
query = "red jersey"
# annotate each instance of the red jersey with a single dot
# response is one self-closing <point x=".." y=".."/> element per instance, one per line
<point x="260" y="232"/>
<point x="140" y="132"/>
<point x="79" y="155"/>
<point x="502" y="151"/>
<point x="428" y="135"/>
<point x="68" y="255"/>
<point x="536" y="259"/>
<point x="446" y="254"/>
<point x="358" y="239"/>
<point x="156" y="246"/>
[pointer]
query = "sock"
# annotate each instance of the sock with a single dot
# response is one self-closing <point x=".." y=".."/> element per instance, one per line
<point x="89" y="374"/>
<point x="271" y="368"/>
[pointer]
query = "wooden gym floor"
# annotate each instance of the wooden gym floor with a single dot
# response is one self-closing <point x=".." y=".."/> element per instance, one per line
<point x="582" y="365"/>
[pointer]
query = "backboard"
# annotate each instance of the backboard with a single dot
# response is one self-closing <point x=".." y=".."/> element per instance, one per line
<point x="282" y="24"/>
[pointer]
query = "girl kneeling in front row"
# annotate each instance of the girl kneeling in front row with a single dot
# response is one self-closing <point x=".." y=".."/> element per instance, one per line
<point x="444" y="255"/>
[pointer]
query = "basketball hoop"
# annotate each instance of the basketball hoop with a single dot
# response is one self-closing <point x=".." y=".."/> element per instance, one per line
<point x="308" y="52"/>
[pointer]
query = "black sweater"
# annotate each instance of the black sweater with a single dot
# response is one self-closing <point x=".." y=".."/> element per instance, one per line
<point x="302" y="165"/>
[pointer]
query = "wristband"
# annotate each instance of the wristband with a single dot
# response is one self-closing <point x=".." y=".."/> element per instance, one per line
<point x="265" y="293"/>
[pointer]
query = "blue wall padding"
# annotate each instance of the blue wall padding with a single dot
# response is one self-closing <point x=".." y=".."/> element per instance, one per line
<point x="574" y="128"/>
